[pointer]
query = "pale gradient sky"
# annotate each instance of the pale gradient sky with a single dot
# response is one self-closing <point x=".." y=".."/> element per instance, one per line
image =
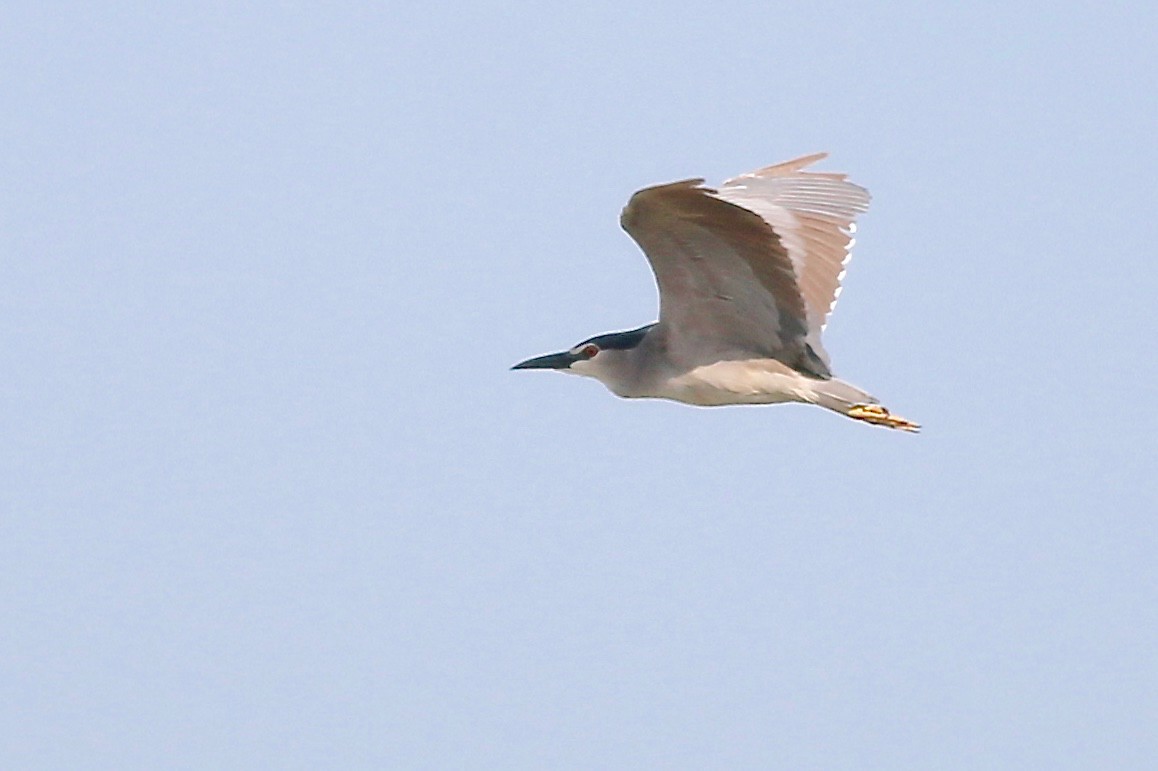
<point x="270" y="498"/>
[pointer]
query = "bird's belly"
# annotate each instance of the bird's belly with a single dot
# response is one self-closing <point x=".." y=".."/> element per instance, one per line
<point x="758" y="381"/>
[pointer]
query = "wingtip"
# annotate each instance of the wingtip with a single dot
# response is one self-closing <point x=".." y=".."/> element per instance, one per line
<point x="781" y="169"/>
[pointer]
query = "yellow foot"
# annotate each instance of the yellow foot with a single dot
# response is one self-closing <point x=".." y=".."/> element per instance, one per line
<point x="879" y="416"/>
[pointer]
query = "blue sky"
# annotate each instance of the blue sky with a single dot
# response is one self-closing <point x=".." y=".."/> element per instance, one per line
<point x="270" y="496"/>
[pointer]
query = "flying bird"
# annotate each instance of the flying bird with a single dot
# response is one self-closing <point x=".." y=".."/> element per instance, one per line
<point x="748" y="273"/>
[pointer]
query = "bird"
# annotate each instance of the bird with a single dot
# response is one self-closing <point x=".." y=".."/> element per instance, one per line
<point x="748" y="273"/>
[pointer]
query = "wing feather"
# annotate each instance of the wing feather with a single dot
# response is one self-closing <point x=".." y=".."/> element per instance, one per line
<point x="814" y="214"/>
<point x="751" y="268"/>
<point x="727" y="284"/>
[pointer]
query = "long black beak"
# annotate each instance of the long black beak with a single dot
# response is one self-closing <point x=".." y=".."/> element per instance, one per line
<point x="550" y="361"/>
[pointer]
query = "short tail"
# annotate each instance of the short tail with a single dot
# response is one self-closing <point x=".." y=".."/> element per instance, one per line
<point x="840" y="396"/>
<point x="849" y="400"/>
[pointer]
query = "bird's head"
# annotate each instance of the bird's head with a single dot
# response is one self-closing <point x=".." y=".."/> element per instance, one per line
<point x="602" y="357"/>
<point x="574" y="360"/>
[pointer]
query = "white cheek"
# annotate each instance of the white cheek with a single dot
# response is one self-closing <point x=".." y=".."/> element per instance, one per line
<point x="583" y="367"/>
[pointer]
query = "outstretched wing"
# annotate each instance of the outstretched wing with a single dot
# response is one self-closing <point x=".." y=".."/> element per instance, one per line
<point x="727" y="286"/>
<point x="751" y="269"/>
<point x="814" y="214"/>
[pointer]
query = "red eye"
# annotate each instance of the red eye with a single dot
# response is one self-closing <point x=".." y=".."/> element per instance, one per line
<point x="590" y="350"/>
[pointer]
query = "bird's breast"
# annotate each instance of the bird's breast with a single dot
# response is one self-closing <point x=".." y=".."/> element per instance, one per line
<point x="756" y="381"/>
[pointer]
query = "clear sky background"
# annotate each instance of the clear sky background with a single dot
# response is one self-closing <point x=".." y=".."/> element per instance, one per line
<point x="271" y="498"/>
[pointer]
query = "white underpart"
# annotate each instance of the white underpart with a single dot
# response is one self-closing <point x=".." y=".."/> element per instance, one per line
<point x="755" y="381"/>
<point x="738" y="382"/>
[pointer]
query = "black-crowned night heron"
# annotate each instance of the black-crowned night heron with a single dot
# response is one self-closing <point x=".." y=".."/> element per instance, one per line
<point x="748" y="274"/>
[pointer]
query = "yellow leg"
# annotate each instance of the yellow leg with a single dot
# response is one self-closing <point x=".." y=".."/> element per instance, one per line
<point x="879" y="416"/>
